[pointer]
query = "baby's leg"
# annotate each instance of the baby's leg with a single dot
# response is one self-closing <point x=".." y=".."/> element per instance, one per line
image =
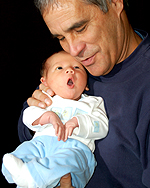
<point x="30" y="156"/>
<point x="19" y="158"/>
<point x="62" y="158"/>
<point x="18" y="170"/>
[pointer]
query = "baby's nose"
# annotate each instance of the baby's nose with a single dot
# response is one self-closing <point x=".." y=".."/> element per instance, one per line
<point x="70" y="70"/>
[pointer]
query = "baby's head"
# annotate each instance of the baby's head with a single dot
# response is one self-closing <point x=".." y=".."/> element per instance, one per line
<point x="64" y="75"/>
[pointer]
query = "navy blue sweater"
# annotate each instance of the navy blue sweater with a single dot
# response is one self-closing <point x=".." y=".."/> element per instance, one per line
<point x="124" y="155"/>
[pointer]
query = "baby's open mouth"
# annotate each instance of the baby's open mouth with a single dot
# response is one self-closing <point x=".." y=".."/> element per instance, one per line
<point x="70" y="82"/>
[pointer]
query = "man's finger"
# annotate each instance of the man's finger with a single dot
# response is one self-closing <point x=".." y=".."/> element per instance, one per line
<point x="65" y="181"/>
<point x="34" y="102"/>
<point x="42" y="97"/>
<point x="46" y="89"/>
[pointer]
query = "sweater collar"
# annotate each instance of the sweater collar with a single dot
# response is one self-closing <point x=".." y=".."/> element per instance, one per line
<point x="130" y="60"/>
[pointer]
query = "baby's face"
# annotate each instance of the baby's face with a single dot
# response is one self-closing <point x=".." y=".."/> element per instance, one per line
<point x="65" y="76"/>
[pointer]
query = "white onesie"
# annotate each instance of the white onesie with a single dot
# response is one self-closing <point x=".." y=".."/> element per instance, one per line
<point x="89" y="110"/>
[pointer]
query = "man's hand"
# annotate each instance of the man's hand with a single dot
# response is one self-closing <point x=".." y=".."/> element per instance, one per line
<point x="39" y="98"/>
<point x="65" y="182"/>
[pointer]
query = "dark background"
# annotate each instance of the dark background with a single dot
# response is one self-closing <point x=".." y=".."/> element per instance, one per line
<point x="25" y="42"/>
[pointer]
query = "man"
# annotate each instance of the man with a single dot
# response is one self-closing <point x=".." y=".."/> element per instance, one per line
<point x="98" y="35"/>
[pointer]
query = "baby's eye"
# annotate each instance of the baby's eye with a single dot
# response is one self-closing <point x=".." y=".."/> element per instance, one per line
<point x="59" y="68"/>
<point x="76" y="67"/>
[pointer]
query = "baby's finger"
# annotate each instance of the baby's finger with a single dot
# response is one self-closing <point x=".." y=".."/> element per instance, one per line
<point x="56" y="130"/>
<point x="61" y="133"/>
<point x="68" y="132"/>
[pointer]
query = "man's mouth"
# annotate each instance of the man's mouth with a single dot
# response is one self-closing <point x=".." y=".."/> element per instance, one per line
<point x="88" y="61"/>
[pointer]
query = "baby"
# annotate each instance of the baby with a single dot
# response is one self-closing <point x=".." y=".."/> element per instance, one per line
<point x="64" y="132"/>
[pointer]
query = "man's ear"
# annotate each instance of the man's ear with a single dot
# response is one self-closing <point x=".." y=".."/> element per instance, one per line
<point x="118" y="5"/>
<point x="43" y="80"/>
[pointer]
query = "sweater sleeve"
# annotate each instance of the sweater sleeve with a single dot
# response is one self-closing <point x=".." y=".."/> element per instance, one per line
<point x="93" y="125"/>
<point x="31" y="114"/>
<point x="23" y="132"/>
<point x="143" y="134"/>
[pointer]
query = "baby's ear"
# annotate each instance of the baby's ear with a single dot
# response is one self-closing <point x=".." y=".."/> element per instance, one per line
<point x="43" y="80"/>
<point x="87" y="89"/>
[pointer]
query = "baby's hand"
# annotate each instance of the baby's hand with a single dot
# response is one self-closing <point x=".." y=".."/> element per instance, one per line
<point x="52" y="118"/>
<point x="70" y="126"/>
<point x="58" y="126"/>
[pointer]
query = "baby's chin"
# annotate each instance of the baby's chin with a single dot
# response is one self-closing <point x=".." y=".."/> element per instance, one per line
<point x="70" y="96"/>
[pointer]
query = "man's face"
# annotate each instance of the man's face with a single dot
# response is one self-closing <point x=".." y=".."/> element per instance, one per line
<point x="93" y="37"/>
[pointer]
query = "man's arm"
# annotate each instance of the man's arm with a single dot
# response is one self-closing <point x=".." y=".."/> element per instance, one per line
<point x="143" y="135"/>
<point x="23" y="132"/>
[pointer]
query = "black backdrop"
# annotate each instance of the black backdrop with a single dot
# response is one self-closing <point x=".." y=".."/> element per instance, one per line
<point x="25" y="42"/>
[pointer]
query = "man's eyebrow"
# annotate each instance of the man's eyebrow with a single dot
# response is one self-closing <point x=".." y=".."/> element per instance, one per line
<point x="55" y="35"/>
<point x="74" y="26"/>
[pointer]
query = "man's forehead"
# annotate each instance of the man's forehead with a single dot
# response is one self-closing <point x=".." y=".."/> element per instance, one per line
<point x="67" y="18"/>
<point x="72" y="26"/>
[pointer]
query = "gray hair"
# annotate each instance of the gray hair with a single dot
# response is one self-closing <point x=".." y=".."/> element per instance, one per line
<point x="42" y="5"/>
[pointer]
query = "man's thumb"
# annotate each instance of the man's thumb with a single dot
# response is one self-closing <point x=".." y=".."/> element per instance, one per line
<point x="65" y="181"/>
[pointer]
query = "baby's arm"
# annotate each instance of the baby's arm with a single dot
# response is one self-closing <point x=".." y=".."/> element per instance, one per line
<point x="52" y="118"/>
<point x="35" y="118"/>
<point x="93" y="125"/>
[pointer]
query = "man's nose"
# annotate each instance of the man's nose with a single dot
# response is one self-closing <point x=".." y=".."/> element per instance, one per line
<point x="69" y="71"/>
<point x="76" y="47"/>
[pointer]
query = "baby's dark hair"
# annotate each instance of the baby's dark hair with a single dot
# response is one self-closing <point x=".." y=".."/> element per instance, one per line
<point x="43" y="68"/>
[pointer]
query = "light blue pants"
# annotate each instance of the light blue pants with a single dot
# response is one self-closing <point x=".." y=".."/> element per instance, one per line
<point x="48" y="160"/>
